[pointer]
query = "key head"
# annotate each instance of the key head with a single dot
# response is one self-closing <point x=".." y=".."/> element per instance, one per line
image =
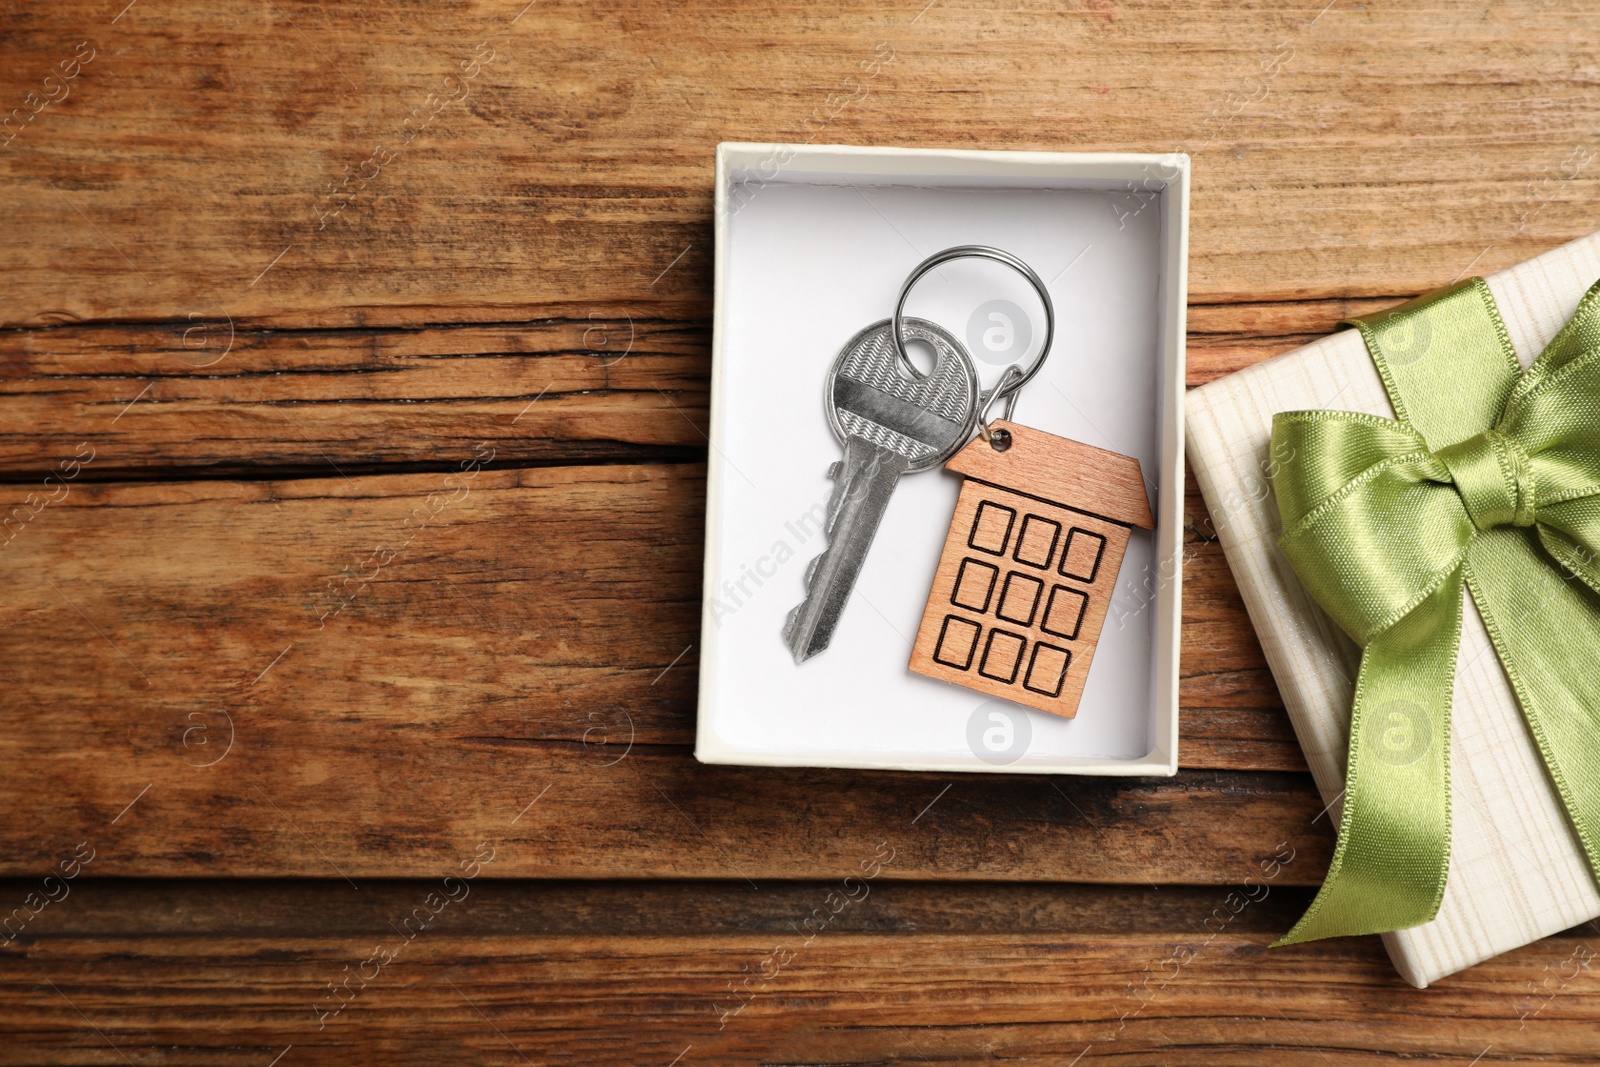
<point x="925" y="419"/>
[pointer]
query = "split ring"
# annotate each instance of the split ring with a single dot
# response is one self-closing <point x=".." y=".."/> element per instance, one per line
<point x="1009" y="384"/>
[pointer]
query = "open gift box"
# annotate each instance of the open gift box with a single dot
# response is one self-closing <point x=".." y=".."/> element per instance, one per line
<point x="812" y="244"/>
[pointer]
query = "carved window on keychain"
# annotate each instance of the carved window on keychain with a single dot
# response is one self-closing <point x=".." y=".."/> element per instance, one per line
<point x="1029" y="567"/>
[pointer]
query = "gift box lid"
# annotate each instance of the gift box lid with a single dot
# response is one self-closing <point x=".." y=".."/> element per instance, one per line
<point x="1517" y="871"/>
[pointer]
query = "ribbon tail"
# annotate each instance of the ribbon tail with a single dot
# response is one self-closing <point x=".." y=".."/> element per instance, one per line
<point x="1393" y="852"/>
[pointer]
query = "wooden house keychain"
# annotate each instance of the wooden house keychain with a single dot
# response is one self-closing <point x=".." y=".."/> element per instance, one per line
<point x="1030" y="563"/>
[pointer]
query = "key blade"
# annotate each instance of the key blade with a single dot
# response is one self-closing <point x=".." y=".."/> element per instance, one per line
<point x="891" y="423"/>
<point x="866" y="481"/>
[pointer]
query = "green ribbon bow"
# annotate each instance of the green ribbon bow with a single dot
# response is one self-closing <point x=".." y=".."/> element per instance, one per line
<point x="1489" y="480"/>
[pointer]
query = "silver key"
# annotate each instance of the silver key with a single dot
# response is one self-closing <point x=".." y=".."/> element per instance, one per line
<point x="890" y="425"/>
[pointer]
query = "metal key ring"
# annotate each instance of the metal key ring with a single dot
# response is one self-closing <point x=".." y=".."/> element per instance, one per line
<point x="1009" y="384"/>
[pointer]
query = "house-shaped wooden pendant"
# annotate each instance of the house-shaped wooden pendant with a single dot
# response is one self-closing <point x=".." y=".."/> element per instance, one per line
<point x="1029" y="566"/>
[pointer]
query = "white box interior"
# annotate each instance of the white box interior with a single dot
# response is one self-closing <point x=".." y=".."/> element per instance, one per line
<point x="808" y="254"/>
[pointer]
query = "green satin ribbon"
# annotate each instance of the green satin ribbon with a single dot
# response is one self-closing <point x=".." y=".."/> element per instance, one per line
<point x="1488" y="480"/>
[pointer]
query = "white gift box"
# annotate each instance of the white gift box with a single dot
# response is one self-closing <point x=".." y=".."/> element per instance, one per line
<point x="812" y="245"/>
<point x="1517" y="872"/>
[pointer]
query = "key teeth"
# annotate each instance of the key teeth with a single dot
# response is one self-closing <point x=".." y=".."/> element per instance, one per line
<point x="791" y="622"/>
<point x="836" y="502"/>
<point x="790" y="625"/>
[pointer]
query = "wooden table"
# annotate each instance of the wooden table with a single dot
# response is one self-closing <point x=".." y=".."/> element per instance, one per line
<point x="355" y="386"/>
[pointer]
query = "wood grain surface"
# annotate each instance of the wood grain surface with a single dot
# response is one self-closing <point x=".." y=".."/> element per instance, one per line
<point x="354" y="369"/>
<point x="198" y="971"/>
